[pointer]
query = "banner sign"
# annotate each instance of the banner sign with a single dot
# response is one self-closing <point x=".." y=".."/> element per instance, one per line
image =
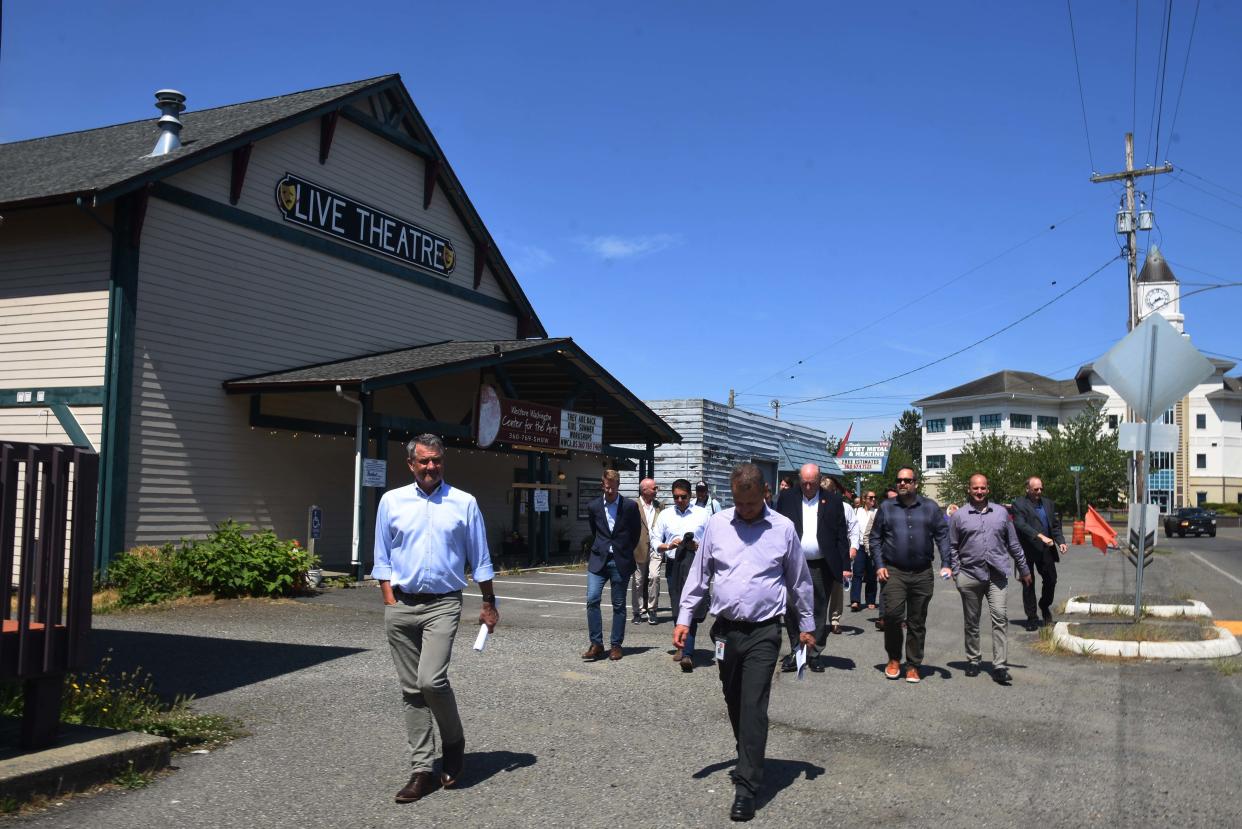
<point x="532" y="424"/>
<point x="320" y="209"/>
<point x="865" y="456"/>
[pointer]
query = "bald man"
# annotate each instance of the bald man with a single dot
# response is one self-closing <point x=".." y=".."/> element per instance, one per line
<point x="645" y="584"/>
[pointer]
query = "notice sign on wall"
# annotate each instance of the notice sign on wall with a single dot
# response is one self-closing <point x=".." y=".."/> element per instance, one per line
<point x="374" y="472"/>
<point x="318" y="208"/>
<point x="532" y="424"/>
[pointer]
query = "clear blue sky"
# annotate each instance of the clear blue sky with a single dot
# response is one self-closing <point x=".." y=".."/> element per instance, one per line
<point x="704" y="194"/>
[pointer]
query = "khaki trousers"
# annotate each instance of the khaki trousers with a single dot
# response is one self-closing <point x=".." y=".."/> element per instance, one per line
<point x="420" y="637"/>
<point x="654" y="569"/>
<point x="973" y="592"/>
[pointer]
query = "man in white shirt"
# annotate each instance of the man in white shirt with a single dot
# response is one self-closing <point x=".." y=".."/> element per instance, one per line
<point x="836" y="597"/>
<point x="645" y="585"/>
<point x="864" y="565"/>
<point x="703" y="499"/>
<point x="668" y="539"/>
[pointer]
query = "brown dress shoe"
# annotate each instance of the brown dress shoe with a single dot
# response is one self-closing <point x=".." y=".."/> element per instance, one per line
<point x="592" y="653"/>
<point x="422" y="783"/>
<point x="687" y="664"/>
<point x="677" y="655"/>
<point x="452" y="763"/>
<point x="615" y="653"/>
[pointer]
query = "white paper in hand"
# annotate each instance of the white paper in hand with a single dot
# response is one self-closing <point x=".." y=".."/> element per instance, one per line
<point x="481" y="640"/>
<point x="800" y="661"/>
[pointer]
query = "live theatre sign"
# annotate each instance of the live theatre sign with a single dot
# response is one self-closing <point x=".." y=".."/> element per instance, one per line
<point x="318" y="208"/>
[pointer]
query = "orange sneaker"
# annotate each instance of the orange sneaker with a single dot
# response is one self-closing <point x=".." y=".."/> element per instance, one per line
<point x="893" y="669"/>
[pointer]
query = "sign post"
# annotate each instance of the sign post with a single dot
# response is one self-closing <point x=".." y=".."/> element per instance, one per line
<point x="1077" y="470"/>
<point x="1151" y="368"/>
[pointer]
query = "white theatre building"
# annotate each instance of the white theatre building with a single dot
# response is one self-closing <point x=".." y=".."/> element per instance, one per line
<point x="1023" y="406"/>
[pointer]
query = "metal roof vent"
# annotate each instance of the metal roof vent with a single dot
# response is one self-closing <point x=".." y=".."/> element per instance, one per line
<point x="171" y="103"/>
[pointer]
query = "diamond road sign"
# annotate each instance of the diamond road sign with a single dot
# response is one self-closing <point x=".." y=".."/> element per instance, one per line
<point x="1153" y="367"/>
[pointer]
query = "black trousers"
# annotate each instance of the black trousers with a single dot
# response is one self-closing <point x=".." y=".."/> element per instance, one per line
<point x="821" y="583"/>
<point x="906" y="596"/>
<point x="750" y="656"/>
<point x="1047" y="569"/>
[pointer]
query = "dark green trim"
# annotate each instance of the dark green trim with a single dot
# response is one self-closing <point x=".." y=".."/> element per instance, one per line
<point x="70" y="424"/>
<point x="388" y="133"/>
<point x="375" y="422"/>
<point x="323" y="245"/>
<point x="415" y="426"/>
<point x="193" y="159"/>
<point x="118" y="384"/>
<point x="55" y="395"/>
<point x="486" y="361"/>
<point x="420" y="400"/>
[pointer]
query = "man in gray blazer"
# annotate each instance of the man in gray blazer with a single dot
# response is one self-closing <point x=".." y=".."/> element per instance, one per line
<point x="1039" y="530"/>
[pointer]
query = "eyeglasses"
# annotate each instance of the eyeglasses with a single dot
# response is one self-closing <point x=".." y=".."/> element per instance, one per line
<point x="905" y="480"/>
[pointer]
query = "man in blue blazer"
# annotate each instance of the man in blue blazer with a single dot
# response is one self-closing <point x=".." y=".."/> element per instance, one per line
<point x="818" y="517"/>
<point x="615" y="528"/>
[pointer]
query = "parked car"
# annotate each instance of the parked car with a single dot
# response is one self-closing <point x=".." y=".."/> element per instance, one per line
<point x="1190" y="520"/>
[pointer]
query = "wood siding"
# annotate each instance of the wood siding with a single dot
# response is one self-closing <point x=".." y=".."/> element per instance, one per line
<point x="218" y="301"/>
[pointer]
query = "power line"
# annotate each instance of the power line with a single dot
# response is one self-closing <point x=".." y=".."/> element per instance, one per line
<point x="1155" y="92"/>
<point x="1201" y="216"/>
<point x="964" y="349"/>
<point x="1185" y="66"/>
<point x="918" y="299"/>
<point x="1164" y="75"/>
<point x="1207" y="181"/>
<point x="1134" y="78"/>
<point x="1082" y="99"/>
<point x="1193" y="186"/>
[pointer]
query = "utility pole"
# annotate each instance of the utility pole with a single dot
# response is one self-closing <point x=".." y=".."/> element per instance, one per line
<point x="776" y="404"/>
<point x="1127" y="225"/>
<point x="732" y="398"/>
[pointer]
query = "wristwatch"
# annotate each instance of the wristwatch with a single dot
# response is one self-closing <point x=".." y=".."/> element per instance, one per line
<point x="490" y="600"/>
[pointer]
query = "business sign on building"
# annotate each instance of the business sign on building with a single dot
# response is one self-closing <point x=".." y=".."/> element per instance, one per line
<point x="519" y="422"/>
<point x="316" y="207"/>
<point x="865" y="456"/>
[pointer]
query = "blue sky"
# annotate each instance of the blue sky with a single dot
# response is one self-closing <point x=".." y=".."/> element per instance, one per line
<point x="703" y="195"/>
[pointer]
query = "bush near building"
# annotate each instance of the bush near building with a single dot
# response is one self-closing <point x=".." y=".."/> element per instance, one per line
<point x="227" y="564"/>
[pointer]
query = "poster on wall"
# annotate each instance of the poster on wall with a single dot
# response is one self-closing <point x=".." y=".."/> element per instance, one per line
<point x="522" y="423"/>
<point x="588" y="490"/>
<point x="541" y="500"/>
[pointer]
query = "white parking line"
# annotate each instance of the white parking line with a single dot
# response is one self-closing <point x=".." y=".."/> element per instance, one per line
<point x="538" y="583"/>
<point x="520" y="599"/>
<point x="1229" y="576"/>
<point x="565" y="575"/>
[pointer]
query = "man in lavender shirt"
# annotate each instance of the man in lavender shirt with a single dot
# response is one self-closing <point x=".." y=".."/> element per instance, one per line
<point x="755" y="556"/>
<point x="982" y="541"/>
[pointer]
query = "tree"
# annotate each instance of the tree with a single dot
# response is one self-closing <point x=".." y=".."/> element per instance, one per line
<point x="1081" y="441"/>
<point x="1004" y="460"/>
<point x="908" y="435"/>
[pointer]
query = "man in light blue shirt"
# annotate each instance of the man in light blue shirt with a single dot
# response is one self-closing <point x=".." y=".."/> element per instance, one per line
<point x="426" y="534"/>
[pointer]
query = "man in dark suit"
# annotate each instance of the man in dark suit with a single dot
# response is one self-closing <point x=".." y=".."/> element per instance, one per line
<point x="615" y="528"/>
<point x="1039" y="530"/>
<point x="819" y="519"/>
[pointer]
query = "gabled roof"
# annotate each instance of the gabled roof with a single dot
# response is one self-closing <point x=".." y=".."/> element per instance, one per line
<point x="102" y="164"/>
<point x="1025" y="383"/>
<point x="546" y="371"/>
<point x="87" y="163"/>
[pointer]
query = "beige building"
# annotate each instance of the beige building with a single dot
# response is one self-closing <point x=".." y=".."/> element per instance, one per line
<point x="216" y="319"/>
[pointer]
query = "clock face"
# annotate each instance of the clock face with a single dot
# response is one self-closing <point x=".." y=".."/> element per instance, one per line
<point x="1156" y="297"/>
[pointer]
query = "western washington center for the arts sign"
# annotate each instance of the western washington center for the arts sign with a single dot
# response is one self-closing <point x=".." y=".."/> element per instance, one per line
<point x="521" y="423"/>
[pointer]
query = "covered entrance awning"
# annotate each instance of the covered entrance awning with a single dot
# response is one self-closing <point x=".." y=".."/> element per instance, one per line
<point x="435" y="388"/>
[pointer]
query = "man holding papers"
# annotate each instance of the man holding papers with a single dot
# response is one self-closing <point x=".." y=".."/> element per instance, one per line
<point x="755" y="557"/>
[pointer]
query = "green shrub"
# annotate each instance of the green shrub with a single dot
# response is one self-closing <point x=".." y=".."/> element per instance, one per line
<point x="146" y="575"/>
<point x="1224" y="509"/>
<point x="228" y="563"/>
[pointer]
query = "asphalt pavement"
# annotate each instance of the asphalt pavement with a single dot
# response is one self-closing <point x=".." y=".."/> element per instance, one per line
<point x="554" y="742"/>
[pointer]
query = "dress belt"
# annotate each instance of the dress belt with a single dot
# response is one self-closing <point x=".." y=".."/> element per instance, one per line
<point x="421" y="597"/>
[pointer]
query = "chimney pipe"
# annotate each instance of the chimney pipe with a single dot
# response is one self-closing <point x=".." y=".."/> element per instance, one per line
<point x="171" y="103"/>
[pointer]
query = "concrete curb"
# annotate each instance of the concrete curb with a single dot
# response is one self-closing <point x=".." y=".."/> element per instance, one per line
<point x="1223" y="645"/>
<point x="1195" y="608"/>
<point x="82" y="757"/>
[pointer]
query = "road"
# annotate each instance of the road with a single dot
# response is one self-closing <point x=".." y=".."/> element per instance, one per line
<point x="554" y="742"/>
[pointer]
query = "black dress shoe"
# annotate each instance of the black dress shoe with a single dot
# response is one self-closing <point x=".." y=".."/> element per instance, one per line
<point x="1001" y="676"/>
<point x="1047" y="616"/>
<point x="816" y="665"/>
<point x="972" y="669"/>
<point x="788" y="666"/>
<point x="743" y="808"/>
<point x="1032" y="625"/>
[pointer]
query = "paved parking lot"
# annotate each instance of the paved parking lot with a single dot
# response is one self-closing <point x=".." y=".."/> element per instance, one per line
<point x="556" y="742"/>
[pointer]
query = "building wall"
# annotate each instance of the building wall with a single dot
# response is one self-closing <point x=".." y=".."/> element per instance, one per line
<point x="218" y="301"/>
<point x="950" y="443"/>
<point x="54" y="266"/>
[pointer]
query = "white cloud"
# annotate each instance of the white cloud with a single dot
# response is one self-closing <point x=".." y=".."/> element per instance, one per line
<point x="623" y="247"/>
<point x="526" y="259"/>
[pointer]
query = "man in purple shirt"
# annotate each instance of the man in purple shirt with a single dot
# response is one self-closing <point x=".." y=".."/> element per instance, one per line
<point x="755" y="557"/>
<point x="983" y="541"/>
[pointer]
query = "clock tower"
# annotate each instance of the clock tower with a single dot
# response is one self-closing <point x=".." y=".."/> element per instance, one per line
<point x="1158" y="290"/>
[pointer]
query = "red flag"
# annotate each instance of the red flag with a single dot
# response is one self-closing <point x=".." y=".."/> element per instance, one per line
<point x="1102" y="535"/>
<point x="844" y="440"/>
